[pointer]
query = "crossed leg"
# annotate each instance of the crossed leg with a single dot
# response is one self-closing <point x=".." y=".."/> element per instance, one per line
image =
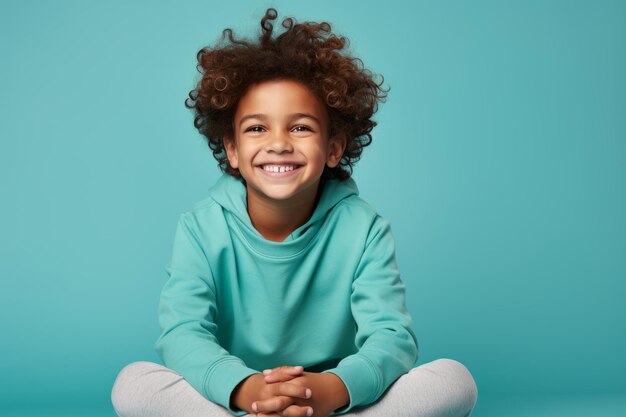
<point x="441" y="388"/>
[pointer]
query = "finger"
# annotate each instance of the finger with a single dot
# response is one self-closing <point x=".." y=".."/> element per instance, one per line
<point x="297" y="411"/>
<point x="278" y="376"/>
<point x="273" y="404"/>
<point x="291" y="390"/>
<point x="292" y="370"/>
<point x="291" y="411"/>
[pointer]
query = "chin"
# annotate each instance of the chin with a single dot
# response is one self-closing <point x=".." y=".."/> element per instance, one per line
<point x="279" y="196"/>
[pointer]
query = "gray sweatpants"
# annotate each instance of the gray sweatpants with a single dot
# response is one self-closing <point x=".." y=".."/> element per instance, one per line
<point x="441" y="388"/>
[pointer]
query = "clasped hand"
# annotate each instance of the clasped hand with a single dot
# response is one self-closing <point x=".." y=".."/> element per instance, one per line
<point x="291" y="392"/>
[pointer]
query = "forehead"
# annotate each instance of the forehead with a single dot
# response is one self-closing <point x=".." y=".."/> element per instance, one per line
<point x="277" y="98"/>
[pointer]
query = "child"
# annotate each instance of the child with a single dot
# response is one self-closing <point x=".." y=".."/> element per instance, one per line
<point x="283" y="267"/>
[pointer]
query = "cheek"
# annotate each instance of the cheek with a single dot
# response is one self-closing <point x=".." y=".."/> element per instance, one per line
<point x="246" y="156"/>
<point x="316" y="152"/>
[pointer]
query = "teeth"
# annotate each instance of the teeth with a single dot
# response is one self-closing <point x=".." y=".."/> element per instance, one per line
<point x="278" y="168"/>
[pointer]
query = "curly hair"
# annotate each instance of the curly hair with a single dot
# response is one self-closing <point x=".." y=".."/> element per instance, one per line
<point x="308" y="53"/>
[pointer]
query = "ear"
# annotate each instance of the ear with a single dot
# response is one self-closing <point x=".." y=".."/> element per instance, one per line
<point x="336" y="147"/>
<point x="231" y="151"/>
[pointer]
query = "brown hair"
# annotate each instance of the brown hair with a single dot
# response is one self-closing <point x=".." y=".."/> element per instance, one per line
<point x="305" y="52"/>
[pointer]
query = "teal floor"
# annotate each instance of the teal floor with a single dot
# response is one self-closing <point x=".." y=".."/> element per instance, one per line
<point x="550" y="406"/>
<point x="489" y="405"/>
<point x="59" y="412"/>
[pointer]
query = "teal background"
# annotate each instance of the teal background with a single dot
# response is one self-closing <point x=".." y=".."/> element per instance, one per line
<point x="500" y="159"/>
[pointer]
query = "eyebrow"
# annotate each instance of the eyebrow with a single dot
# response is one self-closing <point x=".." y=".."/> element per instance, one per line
<point x="264" y="117"/>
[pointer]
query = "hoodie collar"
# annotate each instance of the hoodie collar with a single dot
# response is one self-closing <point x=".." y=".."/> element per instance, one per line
<point x="230" y="193"/>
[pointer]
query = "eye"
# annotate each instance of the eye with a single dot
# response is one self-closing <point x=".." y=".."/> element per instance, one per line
<point x="303" y="128"/>
<point x="255" y="128"/>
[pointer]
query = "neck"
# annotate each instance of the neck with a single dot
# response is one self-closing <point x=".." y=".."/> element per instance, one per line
<point x="277" y="220"/>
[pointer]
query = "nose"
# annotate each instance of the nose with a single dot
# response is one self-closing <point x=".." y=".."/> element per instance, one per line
<point x="279" y="142"/>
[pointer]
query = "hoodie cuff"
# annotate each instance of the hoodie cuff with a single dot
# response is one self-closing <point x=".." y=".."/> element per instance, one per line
<point x="361" y="380"/>
<point x="222" y="379"/>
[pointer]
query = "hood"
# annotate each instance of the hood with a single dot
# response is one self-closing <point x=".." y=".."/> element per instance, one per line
<point x="230" y="193"/>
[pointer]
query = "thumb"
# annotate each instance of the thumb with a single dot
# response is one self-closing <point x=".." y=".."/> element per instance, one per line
<point x="291" y="370"/>
<point x="283" y="373"/>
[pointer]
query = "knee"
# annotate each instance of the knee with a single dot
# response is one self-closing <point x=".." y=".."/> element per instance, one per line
<point x="126" y="388"/>
<point x="462" y="381"/>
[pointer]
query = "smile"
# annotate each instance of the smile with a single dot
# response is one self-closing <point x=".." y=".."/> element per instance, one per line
<point x="279" y="168"/>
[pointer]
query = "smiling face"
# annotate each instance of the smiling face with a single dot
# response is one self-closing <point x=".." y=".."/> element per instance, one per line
<point x="281" y="143"/>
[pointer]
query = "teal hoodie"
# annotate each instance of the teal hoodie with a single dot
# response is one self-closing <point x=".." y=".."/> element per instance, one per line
<point x="329" y="297"/>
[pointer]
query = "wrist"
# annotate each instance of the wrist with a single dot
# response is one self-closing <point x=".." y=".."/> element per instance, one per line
<point x="245" y="393"/>
<point x="337" y="390"/>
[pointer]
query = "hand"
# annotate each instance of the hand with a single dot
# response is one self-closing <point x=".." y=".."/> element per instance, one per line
<point x="282" y="394"/>
<point x="282" y="373"/>
<point x="328" y="394"/>
<point x="283" y="406"/>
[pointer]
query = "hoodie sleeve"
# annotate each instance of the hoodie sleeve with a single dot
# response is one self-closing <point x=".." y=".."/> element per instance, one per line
<point x="387" y="344"/>
<point x="187" y="311"/>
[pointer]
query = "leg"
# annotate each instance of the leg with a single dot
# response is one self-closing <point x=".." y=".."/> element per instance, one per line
<point x="146" y="389"/>
<point x="441" y="388"/>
